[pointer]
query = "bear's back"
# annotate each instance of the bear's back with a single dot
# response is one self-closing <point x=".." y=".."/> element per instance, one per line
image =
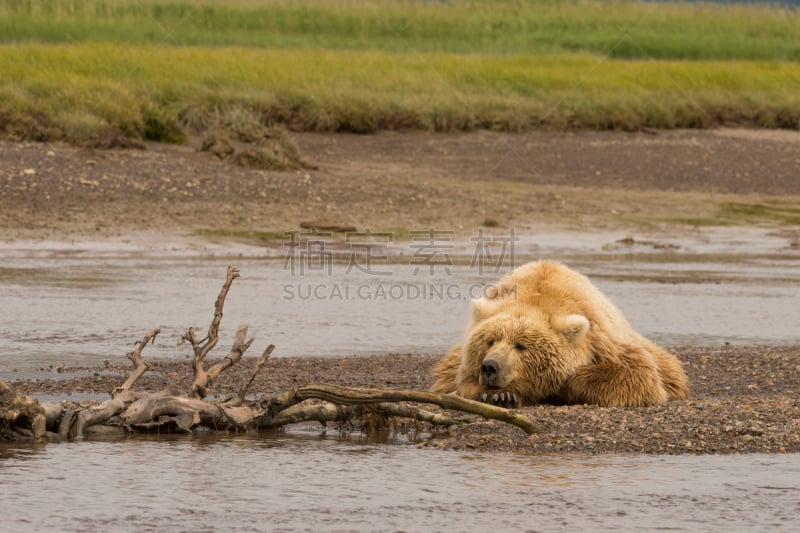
<point x="556" y="289"/>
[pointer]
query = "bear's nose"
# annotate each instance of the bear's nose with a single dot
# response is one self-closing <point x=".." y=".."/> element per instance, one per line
<point x="490" y="369"/>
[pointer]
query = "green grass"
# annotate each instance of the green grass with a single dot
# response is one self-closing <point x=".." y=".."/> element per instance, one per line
<point x="770" y="211"/>
<point x="86" y="87"/>
<point x="620" y="29"/>
<point x="77" y="69"/>
<point x="766" y="213"/>
<point x="241" y="234"/>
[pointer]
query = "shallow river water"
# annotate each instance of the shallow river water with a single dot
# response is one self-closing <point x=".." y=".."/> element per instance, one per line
<point x="81" y="304"/>
<point x="303" y="483"/>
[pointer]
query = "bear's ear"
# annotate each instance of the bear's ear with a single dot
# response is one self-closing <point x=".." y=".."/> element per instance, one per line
<point x="481" y="308"/>
<point x="573" y="327"/>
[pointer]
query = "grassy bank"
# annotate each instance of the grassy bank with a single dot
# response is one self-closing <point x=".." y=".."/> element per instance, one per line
<point x="82" y="89"/>
<point x="154" y="70"/>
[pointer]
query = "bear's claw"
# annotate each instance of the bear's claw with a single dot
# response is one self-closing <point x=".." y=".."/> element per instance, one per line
<point x="501" y="399"/>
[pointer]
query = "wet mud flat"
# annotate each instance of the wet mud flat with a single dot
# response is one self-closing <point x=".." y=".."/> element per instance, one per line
<point x="745" y="399"/>
<point x="401" y="181"/>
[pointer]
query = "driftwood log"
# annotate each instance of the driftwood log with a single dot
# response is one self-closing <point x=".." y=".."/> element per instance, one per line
<point x="184" y="411"/>
<point x="21" y="418"/>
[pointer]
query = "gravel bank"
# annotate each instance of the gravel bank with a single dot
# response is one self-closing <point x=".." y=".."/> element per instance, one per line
<point x="744" y="400"/>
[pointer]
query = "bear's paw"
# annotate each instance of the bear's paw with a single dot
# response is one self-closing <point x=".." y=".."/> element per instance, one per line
<point x="505" y="399"/>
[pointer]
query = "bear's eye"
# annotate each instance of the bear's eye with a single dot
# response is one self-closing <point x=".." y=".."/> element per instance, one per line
<point x="519" y="346"/>
<point x="490" y="343"/>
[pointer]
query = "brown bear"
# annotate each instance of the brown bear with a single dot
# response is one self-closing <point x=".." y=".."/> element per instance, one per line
<point x="545" y="334"/>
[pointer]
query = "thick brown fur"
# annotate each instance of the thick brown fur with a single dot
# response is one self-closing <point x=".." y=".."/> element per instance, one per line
<point x="550" y="336"/>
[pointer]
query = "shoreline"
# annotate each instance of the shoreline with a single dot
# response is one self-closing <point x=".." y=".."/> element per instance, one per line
<point x="530" y="243"/>
<point x="743" y="400"/>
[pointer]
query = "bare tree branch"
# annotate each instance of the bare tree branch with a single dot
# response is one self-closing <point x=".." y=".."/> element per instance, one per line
<point x="203" y="380"/>
<point x="140" y="367"/>
<point x="235" y="355"/>
<point x="239" y="398"/>
<point x="415" y="413"/>
<point x="361" y="396"/>
<point x="329" y="412"/>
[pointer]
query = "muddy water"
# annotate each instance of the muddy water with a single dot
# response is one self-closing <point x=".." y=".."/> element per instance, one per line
<point x="301" y="483"/>
<point x="87" y="303"/>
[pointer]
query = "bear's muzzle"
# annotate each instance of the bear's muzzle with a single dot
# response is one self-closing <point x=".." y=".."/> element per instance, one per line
<point x="497" y="368"/>
<point x="490" y="372"/>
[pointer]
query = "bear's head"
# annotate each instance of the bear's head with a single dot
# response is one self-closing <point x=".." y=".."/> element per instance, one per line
<point x="519" y="349"/>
